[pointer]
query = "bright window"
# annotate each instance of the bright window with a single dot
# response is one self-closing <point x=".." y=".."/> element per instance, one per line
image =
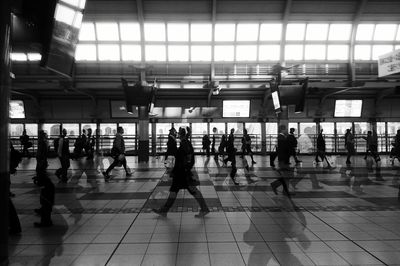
<point x="201" y="32"/>
<point x="271" y="128"/>
<point x="362" y="52"/>
<point x="385" y="32"/>
<point x="295" y="32"/>
<point x="178" y="53"/>
<point x="201" y="53"/>
<point x="224" y="32"/>
<point x="378" y="50"/>
<point x="220" y="130"/>
<point x="178" y="32"/>
<point x="398" y="34"/>
<point x="270" y="32"/>
<point x="34" y="56"/>
<point x="247" y="32"/>
<point x="364" y="32"/>
<point x="339" y="32"/>
<point x="223" y="53"/>
<point x="235" y="109"/>
<point x="85" y="52"/>
<point x="294" y="52"/>
<point x="269" y="52"/>
<point x="31" y="129"/>
<point x="129" y="129"/>
<point x="64" y="14"/>
<point x="130" y="31"/>
<point x="348" y="108"/>
<point x="52" y="130"/>
<point x="315" y="52"/>
<point x="78" y="20"/>
<point x="338" y="52"/>
<point x="328" y="127"/>
<point x="131" y="52"/>
<point x="76" y="3"/>
<point x="246" y="52"/>
<point x="155" y="53"/>
<point x="72" y="129"/>
<point x="87" y="32"/>
<point x="109" y="52"/>
<point x="316" y="32"/>
<point x="107" y="31"/>
<point x="154" y="31"/>
<point x="18" y="57"/>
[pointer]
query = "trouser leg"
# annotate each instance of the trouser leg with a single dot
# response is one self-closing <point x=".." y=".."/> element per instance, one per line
<point x="199" y="198"/>
<point x="14" y="224"/>
<point x="112" y="166"/>
<point x="170" y="201"/>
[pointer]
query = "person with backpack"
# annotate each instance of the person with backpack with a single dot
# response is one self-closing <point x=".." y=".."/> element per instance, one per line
<point x="206" y="144"/>
<point x="47" y="191"/>
<point x="64" y="156"/>
<point x="118" y="153"/>
<point x="182" y="178"/>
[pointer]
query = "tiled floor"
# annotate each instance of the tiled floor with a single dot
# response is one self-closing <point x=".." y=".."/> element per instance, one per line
<point x="340" y="216"/>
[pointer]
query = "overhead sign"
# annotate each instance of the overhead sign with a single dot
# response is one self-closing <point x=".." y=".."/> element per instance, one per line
<point x="389" y="63"/>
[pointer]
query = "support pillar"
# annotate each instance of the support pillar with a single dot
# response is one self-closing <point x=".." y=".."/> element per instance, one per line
<point x="5" y="29"/>
<point x="263" y="139"/>
<point x="143" y="150"/>
<point x="283" y="118"/>
<point x="154" y="139"/>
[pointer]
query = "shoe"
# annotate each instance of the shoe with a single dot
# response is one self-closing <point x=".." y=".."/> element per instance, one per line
<point x="128" y="174"/>
<point x="348" y="162"/>
<point x="202" y="213"/>
<point x="253" y="162"/>
<point x="40" y="225"/>
<point x="160" y="212"/>
<point x="274" y="189"/>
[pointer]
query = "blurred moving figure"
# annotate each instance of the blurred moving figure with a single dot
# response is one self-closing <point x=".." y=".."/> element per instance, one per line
<point x="171" y="146"/>
<point x="246" y="146"/>
<point x="293" y="145"/>
<point x="372" y="145"/>
<point x="25" y="143"/>
<point x="63" y="156"/>
<point x="321" y="148"/>
<point x="349" y="145"/>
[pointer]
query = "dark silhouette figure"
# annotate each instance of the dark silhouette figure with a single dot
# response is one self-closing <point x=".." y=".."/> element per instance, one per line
<point x="182" y="177"/>
<point x="90" y="143"/>
<point x="14" y="226"/>
<point x="118" y="153"/>
<point x="372" y="146"/>
<point x="63" y="156"/>
<point x="349" y="145"/>
<point x="231" y="151"/>
<point x="395" y="151"/>
<point x="213" y="150"/>
<point x="206" y="144"/>
<point x="293" y="145"/>
<point x="321" y="149"/>
<point x="171" y="145"/>
<point x="25" y="143"/>
<point x="283" y="154"/>
<point x="47" y="191"/>
<point x="246" y="146"/>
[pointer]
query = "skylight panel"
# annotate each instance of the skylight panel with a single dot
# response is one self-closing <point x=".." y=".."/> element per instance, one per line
<point x="247" y="32"/>
<point x="130" y="31"/>
<point x="398" y="34"/>
<point x="246" y="52"/>
<point x="378" y="50"/>
<point x="362" y="52"/>
<point x="87" y="32"/>
<point x="295" y="32"/>
<point x="270" y="32"/>
<point x="364" y="32"/>
<point x="154" y="32"/>
<point x="109" y="52"/>
<point x="201" y="32"/>
<point x="18" y="57"/>
<point x="269" y="52"/>
<point x="34" y="56"/>
<point x="156" y="53"/>
<point x="201" y="53"/>
<point x="64" y="14"/>
<point x="339" y="32"/>
<point x="178" y="32"/>
<point x="223" y="53"/>
<point x="107" y="31"/>
<point x="85" y="52"/>
<point x="338" y="52"/>
<point x="77" y="3"/>
<point x="178" y="53"/>
<point x="224" y="32"/>
<point x="293" y="52"/>
<point x="315" y="52"/>
<point x="317" y="32"/>
<point x="385" y="32"/>
<point x="131" y="52"/>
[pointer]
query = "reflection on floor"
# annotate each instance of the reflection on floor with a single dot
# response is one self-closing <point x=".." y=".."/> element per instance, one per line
<point x="348" y="215"/>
